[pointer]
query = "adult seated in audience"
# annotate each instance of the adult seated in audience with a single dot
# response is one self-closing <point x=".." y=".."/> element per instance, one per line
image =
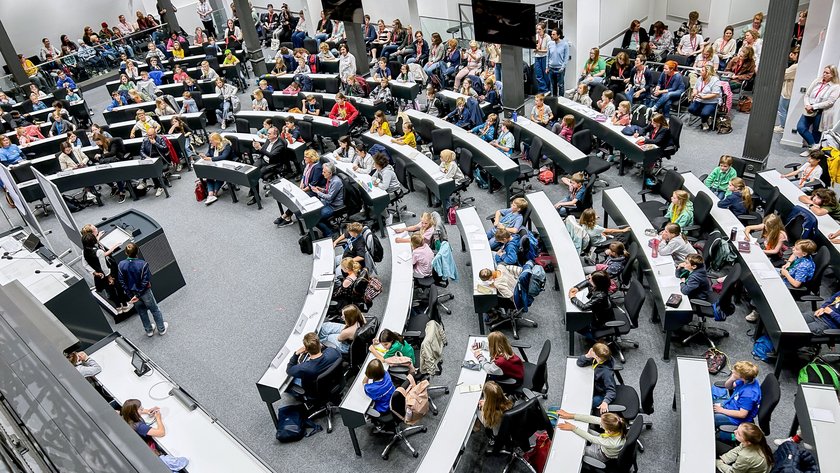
<point x="598" y="302"/>
<point x="737" y="402"/>
<point x="383" y="37"/>
<point x="435" y="55"/>
<point x="70" y="157"/>
<point x="738" y="198"/>
<point x="600" y="357"/>
<point x="451" y="59"/>
<point x="800" y="266"/>
<point x="473" y="65"/>
<point x="706" y="57"/>
<point x="331" y="196"/>
<point x="753" y="40"/>
<point x="417" y="52"/>
<point x="10" y="153"/>
<point x="310" y="360"/>
<point x="673" y="243"/>
<point x="577" y="192"/>
<point x="594" y="69"/>
<point x="741" y="68"/>
<point x="503" y="362"/>
<point x="690" y="45"/>
<point x="635" y="36"/>
<point x="338" y="335"/>
<point x="756" y="25"/>
<point x="378" y="386"/>
<point x="818" y="116"/>
<point x="267" y="157"/>
<point x="725" y="47"/>
<point x="492" y="407"/>
<point x="810" y="171"/>
<point x="706" y="97"/>
<point x="220" y="149"/>
<point x="312" y="176"/>
<point x="661" y="41"/>
<point x="132" y="413"/>
<point x="669" y="88"/>
<point x="620" y="74"/>
<point x="751" y="455"/>
<point x="773" y="239"/>
<point x="85" y="365"/>
<point x="694" y="281"/>
<point x="399" y="38"/>
<point x="685" y="27"/>
<point x="143" y="124"/>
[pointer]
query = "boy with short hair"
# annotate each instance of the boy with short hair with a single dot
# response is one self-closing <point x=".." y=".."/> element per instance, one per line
<point x="800" y="266"/>
<point x="577" y="191"/>
<point x="741" y="405"/>
<point x="694" y="282"/>
<point x="600" y="358"/>
<point x="378" y="385"/>
<point x="309" y="361"/>
<point x="506" y="247"/>
<point x="718" y="180"/>
<point x="510" y="219"/>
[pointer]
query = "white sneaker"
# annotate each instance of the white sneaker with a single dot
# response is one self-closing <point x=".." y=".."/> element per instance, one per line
<point x="165" y="327"/>
<point x="779" y="442"/>
<point x="90" y="196"/>
<point x="778" y="129"/>
<point x="151" y="332"/>
<point x="805" y="153"/>
<point x="224" y="124"/>
<point x="210" y="200"/>
<point x="752" y="316"/>
<point x="159" y="192"/>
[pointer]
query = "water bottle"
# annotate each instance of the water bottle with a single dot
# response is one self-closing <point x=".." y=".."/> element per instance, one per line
<point x="655" y="251"/>
<point x="514" y="116"/>
<point x="733" y="233"/>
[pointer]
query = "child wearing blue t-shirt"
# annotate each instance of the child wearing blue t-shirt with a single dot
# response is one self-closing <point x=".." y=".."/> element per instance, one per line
<point x="800" y="266"/>
<point x="509" y="219"/>
<point x="739" y="401"/>
<point x="378" y="386"/>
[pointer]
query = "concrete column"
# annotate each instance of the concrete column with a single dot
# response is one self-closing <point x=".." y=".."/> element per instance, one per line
<point x="356" y="46"/>
<point x="768" y="83"/>
<point x="582" y="28"/>
<point x="7" y="50"/>
<point x="718" y="20"/>
<point x="169" y="16"/>
<point x="250" y="37"/>
<point x="513" y="92"/>
<point x="819" y="49"/>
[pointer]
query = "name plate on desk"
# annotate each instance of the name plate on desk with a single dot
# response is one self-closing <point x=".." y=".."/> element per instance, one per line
<point x="64" y="173"/>
<point x="301" y="322"/>
<point x="279" y="358"/>
<point x="102" y="166"/>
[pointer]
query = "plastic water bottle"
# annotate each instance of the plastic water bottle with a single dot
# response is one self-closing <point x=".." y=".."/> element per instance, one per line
<point x="655" y="250"/>
<point x="514" y="116"/>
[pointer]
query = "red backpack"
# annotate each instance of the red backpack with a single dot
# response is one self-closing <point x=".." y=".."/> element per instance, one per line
<point x="538" y="455"/>
<point x="546" y="177"/>
<point x="200" y="190"/>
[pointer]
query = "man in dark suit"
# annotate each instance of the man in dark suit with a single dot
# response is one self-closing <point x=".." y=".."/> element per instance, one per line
<point x="267" y="157"/>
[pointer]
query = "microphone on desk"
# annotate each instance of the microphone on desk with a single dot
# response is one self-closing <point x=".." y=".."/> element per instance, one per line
<point x="47" y="271"/>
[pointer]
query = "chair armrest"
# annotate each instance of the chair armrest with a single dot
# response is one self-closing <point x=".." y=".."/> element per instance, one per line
<point x="800" y="291"/>
<point x="813" y="183"/>
<point x="615" y="323"/>
<point x="703" y="177"/>
<point x="528" y="393"/>
<point x="521" y="346"/>
<point x="728" y="428"/>
<point x="748" y="218"/>
<point x="700" y="302"/>
<point x="792" y="165"/>
<point x="616" y="408"/>
<point x="398" y="370"/>
<point x="618" y="368"/>
<point x="691" y="228"/>
<point x="373" y="413"/>
<point x="297" y="389"/>
<point x="720" y="384"/>
<point x="505" y="381"/>
<point x="810" y="298"/>
<point x="643" y="193"/>
<point x="597" y="464"/>
<point x="412" y="333"/>
<point x="832" y="332"/>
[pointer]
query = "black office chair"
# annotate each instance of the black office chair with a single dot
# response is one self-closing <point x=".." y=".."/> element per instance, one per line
<point x="331" y="85"/>
<point x="672" y="181"/>
<point x="676" y="126"/>
<point x="441" y="139"/>
<point x="703" y="309"/>
<point x="425" y="128"/>
<point x="626" y="461"/>
<point x="595" y="92"/>
<point x="358" y="351"/>
<point x="703" y="221"/>
<point x="809" y="291"/>
<point x="535" y="379"/>
<point x="465" y="164"/>
<point x="242" y="125"/>
<point x="629" y="404"/>
<point x="392" y="423"/>
<point x="624" y="320"/>
<point x="770" y="395"/>
<point x="396" y="206"/>
<point x="325" y="395"/>
<point x="415" y="333"/>
<point x="586" y="202"/>
<point x="527" y="169"/>
<point x="518" y="425"/>
<point x="595" y="166"/>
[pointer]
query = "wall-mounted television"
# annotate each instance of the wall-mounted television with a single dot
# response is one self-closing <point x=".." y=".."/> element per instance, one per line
<point x="344" y="10"/>
<point x="508" y="23"/>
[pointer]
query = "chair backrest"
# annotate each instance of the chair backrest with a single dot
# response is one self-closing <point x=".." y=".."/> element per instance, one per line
<point x="732" y="281"/>
<point x="535" y="151"/>
<point x="627" y="456"/>
<point x="739" y="165"/>
<point x="425" y="129"/>
<point x="400" y="170"/>
<point x="647" y="382"/>
<point x="331" y="85"/>
<point x="242" y="125"/>
<point x="771" y="201"/>
<point x="702" y="209"/>
<point x="441" y="140"/>
<point x="520" y="423"/>
<point x="541" y="369"/>
<point x="630" y="265"/>
<point x="595" y="92"/>
<point x="330" y="382"/>
<point x="794" y="228"/>
<point x="582" y="140"/>
<point x="305" y="130"/>
<point x="770" y="395"/>
<point x="634" y="300"/>
<point x="821" y="261"/>
<point x="675" y="125"/>
<point x="465" y="162"/>
<point x="619" y="97"/>
<point x="359" y="346"/>
<point x="353" y="202"/>
<point x="681" y="60"/>
<point x="398" y="401"/>
<point x="672" y="181"/>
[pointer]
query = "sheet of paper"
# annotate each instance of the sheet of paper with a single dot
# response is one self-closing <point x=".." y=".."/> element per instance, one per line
<point x="822" y="415"/>
<point x="767" y="274"/>
<point x="469" y="388"/>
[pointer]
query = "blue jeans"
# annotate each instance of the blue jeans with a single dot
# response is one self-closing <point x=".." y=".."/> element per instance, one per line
<point x="539" y="74"/>
<point x="321" y="37"/>
<point x="297" y="38"/>
<point x="128" y="50"/>
<point x="214" y="186"/>
<point x="784" y="104"/>
<point x="448" y="71"/>
<point x="224" y="113"/>
<point x="597" y="400"/>
<point x="146" y="302"/>
<point x="809" y="128"/>
<point x="642" y="98"/>
<point x="703" y="110"/>
<point x="388" y="50"/>
<point x="497" y="71"/>
<point x="328" y="334"/>
<point x="663" y="103"/>
<point x="431" y="68"/>
<point x="323" y="224"/>
<point x="557" y="79"/>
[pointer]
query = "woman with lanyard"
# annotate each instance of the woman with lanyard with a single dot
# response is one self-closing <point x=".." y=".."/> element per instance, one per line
<point x="661" y="41"/>
<point x="819" y="107"/>
<point x="620" y="74"/>
<point x="634" y="36"/>
<point x="594" y="69"/>
<point x="725" y="46"/>
<point x="706" y="95"/>
<point x="799" y="28"/>
<point x="741" y="68"/>
<point x="103" y="267"/>
<point x="435" y="55"/>
<point x="670" y="87"/>
<point x="639" y="88"/>
<point x="691" y="44"/>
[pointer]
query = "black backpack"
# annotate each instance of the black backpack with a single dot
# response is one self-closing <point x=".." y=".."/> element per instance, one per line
<point x="375" y="248"/>
<point x="292" y="424"/>
<point x="305" y="243"/>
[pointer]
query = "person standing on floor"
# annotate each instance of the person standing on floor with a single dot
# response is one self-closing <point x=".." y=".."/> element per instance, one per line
<point x="205" y="12"/>
<point x="540" y="59"/>
<point x="136" y="280"/>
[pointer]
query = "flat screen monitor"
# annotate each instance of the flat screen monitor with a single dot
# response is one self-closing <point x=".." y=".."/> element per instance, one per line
<point x="343" y="10"/>
<point x="508" y="23"/>
<point x="139" y="364"/>
<point x="31" y="243"/>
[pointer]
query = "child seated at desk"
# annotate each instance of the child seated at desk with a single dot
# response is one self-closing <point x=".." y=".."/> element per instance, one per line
<point x="345" y="152"/>
<point x="310" y="360"/>
<point x="492" y="407"/>
<point x="425" y="227"/>
<point x="599" y="303"/>
<point x="597" y="234"/>
<point x="621" y="116"/>
<point x="773" y="237"/>
<point x="132" y="413"/>
<point x="352" y="246"/>
<point x="421" y="257"/>
<point x="503" y="363"/>
<point x="189" y="105"/>
<point x="718" y="180"/>
<point x="681" y="209"/>
<point x="259" y="104"/>
<point x="510" y="219"/>
<point x="486" y="131"/>
<point x="408" y="137"/>
<point x="263" y="132"/>
<point x="459" y="115"/>
<point x="826" y="317"/>
<point x="605" y="105"/>
<point x="380" y="124"/>
<point x="581" y="95"/>
<point x="694" y="282"/>
<point x="362" y="160"/>
<point x="506" y="247"/>
<point x="673" y="243"/>
<point x="310" y="106"/>
<point x="577" y="192"/>
<point x="741" y="404"/>
<point x="565" y="127"/>
<point x="613" y="264"/>
<point x="810" y="171"/>
<point x="290" y="132"/>
<point x="506" y="142"/>
<point x="378" y="385"/>
<point x="541" y="113"/>
<point x="739" y="199"/>
<point x="800" y="266"/>
<point x="604" y="447"/>
<point x="600" y="358"/>
<point x="339" y="336"/>
<point x="752" y="455"/>
<point x="117" y="100"/>
<point x="822" y="202"/>
<point x="391" y="344"/>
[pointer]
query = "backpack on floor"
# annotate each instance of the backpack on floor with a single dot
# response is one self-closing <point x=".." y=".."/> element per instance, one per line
<point x="638" y="115"/>
<point x="791" y="458"/>
<point x="762" y="348"/>
<point x="546" y="177"/>
<point x="305" y="244"/>
<point x="538" y="455"/>
<point x="817" y="372"/>
<point x="452" y="215"/>
<point x="292" y="424"/>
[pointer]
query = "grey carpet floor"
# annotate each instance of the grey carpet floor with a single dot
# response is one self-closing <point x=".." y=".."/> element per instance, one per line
<point x="247" y="279"/>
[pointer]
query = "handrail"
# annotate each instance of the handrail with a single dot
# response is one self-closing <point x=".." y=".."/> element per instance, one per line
<point x="619" y="34"/>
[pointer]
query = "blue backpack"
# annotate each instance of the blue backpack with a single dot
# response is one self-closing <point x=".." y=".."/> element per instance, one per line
<point x="305" y="82"/>
<point x="377" y="148"/>
<point x="292" y="424"/>
<point x="537" y="283"/>
<point x="762" y="347"/>
<point x="809" y="221"/>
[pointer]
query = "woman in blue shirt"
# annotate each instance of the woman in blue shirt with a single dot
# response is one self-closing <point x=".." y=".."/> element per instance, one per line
<point x="9" y="152"/>
<point x="739" y="401"/>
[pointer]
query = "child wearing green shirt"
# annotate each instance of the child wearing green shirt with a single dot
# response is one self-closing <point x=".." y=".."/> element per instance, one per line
<point x="718" y="179"/>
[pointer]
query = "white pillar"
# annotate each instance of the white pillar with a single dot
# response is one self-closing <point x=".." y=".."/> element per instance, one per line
<point x="718" y="19"/>
<point x="581" y="27"/>
<point x="819" y="49"/>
